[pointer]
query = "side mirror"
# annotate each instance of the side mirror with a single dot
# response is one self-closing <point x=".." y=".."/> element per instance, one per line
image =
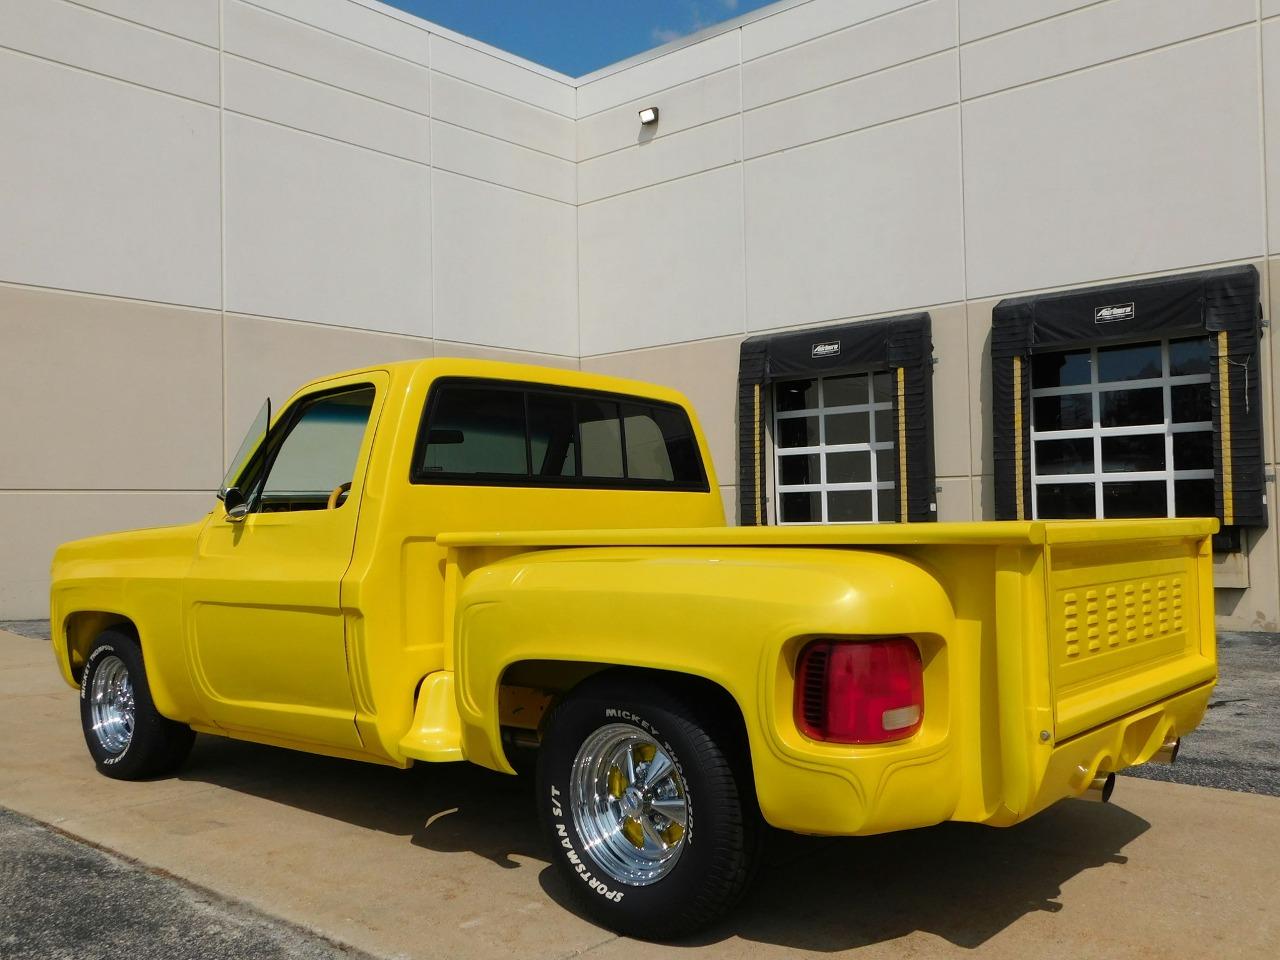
<point x="237" y="506"/>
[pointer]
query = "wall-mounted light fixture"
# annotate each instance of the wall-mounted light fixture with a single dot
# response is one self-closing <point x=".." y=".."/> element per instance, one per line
<point x="649" y="115"/>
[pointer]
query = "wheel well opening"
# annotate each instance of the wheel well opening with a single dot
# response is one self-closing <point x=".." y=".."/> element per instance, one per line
<point x="82" y="628"/>
<point x="529" y="691"/>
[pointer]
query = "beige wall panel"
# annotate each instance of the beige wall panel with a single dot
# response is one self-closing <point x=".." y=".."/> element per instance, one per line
<point x="277" y="41"/>
<point x="467" y="105"/>
<point x="107" y="394"/>
<point x="729" y="500"/>
<point x="955" y="499"/>
<point x="1271" y="127"/>
<point x="862" y="224"/>
<point x="706" y="372"/>
<point x="269" y="94"/>
<point x="1096" y="34"/>
<point x="323" y="231"/>
<point x="471" y="351"/>
<point x="273" y="358"/>
<point x="1258" y="607"/>
<point x="982" y="18"/>
<point x="80" y="37"/>
<point x="679" y="108"/>
<point x="845" y="107"/>
<point x="662" y="265"/>
<point x="1109" y="167"/>
<point x="984" y="497"/>
<point x="505" y="266"/>
<point x="951" y="445"/>
<point x="805" y="21"/>
<point x="194" y="19"/>
<point x="669" y="70"/>
<point x="383" y="29"/>
<point x="119" y="196"/>
<point x="1270" y="8"/>
<point x="657" y="161"/>
<point x="475" y="155"/>
<point x="34" y="525"/>
<point x="884" y="42"/>
<point x="502" y="76"/>
<point x="980" y="412"/>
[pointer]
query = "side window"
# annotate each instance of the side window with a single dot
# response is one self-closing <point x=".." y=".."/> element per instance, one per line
<point x="319" y="451"/>
<point x="476" y="431"/>
<point x="601" y="433"/>
<point x="553" y="442"/>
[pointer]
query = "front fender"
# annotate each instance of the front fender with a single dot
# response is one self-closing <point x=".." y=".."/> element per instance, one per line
<point x="733" y="616"/>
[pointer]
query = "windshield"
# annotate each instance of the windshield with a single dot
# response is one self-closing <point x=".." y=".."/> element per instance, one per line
<point x="252" y="440"/>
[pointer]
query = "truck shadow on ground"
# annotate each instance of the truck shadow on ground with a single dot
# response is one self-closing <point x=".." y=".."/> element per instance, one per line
<point x="960" y="882"/>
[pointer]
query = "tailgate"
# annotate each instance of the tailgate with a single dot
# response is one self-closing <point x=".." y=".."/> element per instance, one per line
<point x="1130" y="618"/>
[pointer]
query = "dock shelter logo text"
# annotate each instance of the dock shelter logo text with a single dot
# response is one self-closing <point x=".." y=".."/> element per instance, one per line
<point x="1112" y="313"/>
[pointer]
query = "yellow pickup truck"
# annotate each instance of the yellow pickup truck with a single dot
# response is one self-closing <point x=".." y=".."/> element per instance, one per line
<point x="451" y="560"/>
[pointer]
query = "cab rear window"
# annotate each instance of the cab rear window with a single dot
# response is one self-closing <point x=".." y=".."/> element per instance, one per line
<point x="500" y="433"/>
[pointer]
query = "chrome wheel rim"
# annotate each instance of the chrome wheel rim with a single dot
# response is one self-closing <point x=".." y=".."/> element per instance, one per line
<point x="111" y="705"/>
<point x="629" y="803"/>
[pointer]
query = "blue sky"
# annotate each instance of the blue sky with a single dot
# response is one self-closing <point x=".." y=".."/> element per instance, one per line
<point x="576" y="36"/>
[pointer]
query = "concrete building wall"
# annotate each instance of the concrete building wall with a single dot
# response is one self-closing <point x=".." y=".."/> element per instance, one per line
<point x="217" y="199"/>
<point x="209" y="201"/>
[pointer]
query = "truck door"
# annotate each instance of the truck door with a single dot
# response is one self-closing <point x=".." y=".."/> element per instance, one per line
<point x="265" y="629"/>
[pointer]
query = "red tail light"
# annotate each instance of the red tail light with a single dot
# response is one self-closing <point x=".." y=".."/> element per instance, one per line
<point x="860" y="691"/>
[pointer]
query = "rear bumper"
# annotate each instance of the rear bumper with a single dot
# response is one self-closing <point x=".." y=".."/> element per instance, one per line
<point x="1127" y="742"/>
<point x="917" y="784"/>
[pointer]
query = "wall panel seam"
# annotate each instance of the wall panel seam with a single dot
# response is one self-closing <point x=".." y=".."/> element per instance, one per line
<point x="151" y="27"/>
<point x="327" y="84"/>
<point x="631" y="101"/>
<point x="850" y="26"/>
<point x="850" y="133"/>
<point x="341" y="36"/>
<point x="1136" y="55"/>
<point x="658" y="183"/>
<point x="729" y="115"/>
<point x="512" y="143"/>
<point x="939" y="52"/>
<point x="504" y="186"/>
<point x="99" y="295"/>
<point x="110" y="77"/>
<point x="527" y="103"/>
<point x="326" y="136"/>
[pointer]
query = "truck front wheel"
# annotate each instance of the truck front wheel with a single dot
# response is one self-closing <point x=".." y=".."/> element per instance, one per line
<point x="649" y="818"/>
<point x="126" y="735"/>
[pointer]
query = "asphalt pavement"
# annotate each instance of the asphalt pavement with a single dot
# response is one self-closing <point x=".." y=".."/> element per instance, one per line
<point x="62" y="898"/>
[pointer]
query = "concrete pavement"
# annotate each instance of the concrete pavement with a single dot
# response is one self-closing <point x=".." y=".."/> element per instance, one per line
<point x="447" y="862"/>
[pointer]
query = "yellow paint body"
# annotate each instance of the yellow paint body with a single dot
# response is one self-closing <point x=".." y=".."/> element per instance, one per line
<point x="384" y="630"/>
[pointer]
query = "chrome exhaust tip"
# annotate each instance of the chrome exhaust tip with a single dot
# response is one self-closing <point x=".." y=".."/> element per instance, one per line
<point x="1100" y="788"/>
<point x="1167" y="753"/>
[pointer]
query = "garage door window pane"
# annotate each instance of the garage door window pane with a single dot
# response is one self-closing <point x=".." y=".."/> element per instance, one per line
<point x="801" y="507"/>
<point x="1133" y="454"/>
<point x="1128" y="408"/>
<point x="1133" y="499"/>
<point x="1066" y="501"/>
<point x="1061" y="369"/>
<point x="1140" y="361"/>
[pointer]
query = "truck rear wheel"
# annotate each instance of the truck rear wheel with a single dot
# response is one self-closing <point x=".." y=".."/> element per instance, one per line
<point x="650" y="820"/>
<point x="126" y="735"/>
